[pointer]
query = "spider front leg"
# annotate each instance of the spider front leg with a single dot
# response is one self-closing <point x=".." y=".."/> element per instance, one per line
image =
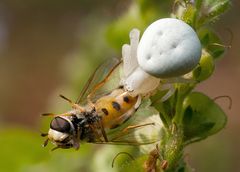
<point x="129" y="53"/>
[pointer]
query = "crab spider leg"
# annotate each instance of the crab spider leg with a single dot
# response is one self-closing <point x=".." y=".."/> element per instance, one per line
<point x="129" y="53"/>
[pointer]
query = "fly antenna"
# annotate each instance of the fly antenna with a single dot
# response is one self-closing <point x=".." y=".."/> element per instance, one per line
<point x="128" y="154"/>
<point x="65" y="98"/>
<point x="55" y="115"/>
<point x="48" y="114"/>
<point x="74" y="105"/>
<point x="44" y="134"/>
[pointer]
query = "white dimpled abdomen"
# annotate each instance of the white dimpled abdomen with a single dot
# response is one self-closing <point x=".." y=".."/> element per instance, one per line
<point x="168" y="48"/>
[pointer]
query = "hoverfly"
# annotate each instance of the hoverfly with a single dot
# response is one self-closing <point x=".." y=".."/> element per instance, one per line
<point x="100" y="114"/>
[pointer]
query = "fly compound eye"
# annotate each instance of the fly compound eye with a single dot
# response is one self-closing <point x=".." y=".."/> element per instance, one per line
<point x="60" y="124"/>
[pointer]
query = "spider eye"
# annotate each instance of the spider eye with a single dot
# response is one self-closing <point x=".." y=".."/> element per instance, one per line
<point x="60" y="124"/>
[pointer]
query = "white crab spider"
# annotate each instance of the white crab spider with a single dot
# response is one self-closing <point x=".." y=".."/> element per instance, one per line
<point x="168" y="49"/>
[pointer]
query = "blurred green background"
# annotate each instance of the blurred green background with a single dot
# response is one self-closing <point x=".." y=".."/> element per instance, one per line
<point x="51" y="47"/>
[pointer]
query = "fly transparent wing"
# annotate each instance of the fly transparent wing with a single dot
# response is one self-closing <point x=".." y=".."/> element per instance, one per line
<point x="103" y="71"/>
<point x="144" y="127"/>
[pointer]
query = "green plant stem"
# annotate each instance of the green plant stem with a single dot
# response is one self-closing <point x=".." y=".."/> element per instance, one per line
<point x="183" y="91"/>
<point x="174" y="143"/>
<point x="174" y="149"/>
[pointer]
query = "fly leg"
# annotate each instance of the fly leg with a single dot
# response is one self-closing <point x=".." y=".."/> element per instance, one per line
<point x="136" y="126"/>
<point x="129" y="128"/>
<point x="95" y="132"/>
<point x="103" y="131"/>
<point x="98" y="135"/>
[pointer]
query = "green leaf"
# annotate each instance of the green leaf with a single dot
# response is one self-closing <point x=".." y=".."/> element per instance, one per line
<point x="211" y="10"/>
<point x="217" y="7"/>
<point x="217" y="52"/>
<point x="189" y="15"/>
<point x="166" y="109"/>
<point x="211" y="42"/>
<point x="205" y="39"/>
<point x="202" y="117"/>
<point x="205" y="68"/>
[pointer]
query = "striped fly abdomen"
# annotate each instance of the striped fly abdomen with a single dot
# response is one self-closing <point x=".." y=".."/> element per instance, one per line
<point x="116" y="108"/>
